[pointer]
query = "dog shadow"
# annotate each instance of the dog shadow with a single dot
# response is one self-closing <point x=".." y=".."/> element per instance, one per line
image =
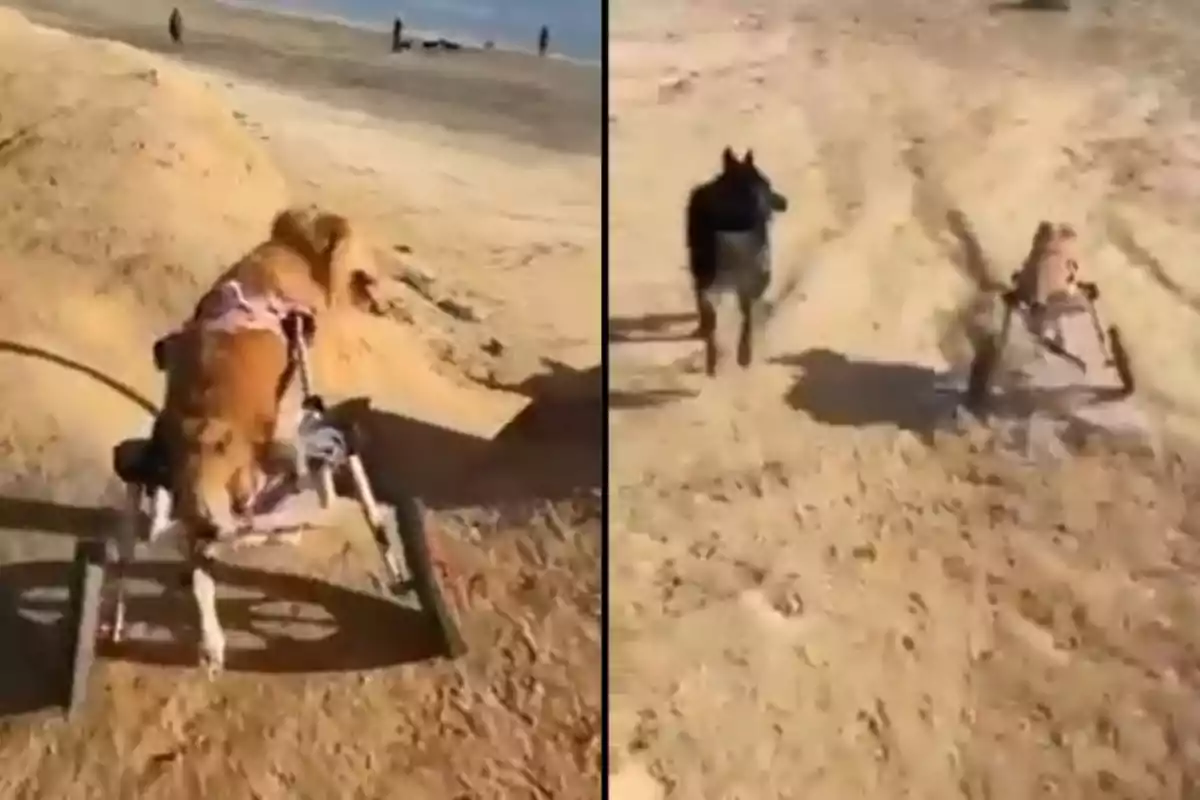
<point x="629" y="400"/>
<point x="46" y="516"/>
<point x="33" y="669"/>
<point x="650" y="328"/>
<point x="276" y="623"/>
<point x="552" y="450"/>
<point x="835" y="389"/>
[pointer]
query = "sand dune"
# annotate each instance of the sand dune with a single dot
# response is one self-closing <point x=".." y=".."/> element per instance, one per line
<point x="129" y="181"/>
<point x="809" y="600"/>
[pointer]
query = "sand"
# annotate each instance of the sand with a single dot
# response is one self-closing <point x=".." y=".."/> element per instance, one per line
<point x="814" y="594"/>
<point x="130" y="180"/>
<point x="554" y="105"/>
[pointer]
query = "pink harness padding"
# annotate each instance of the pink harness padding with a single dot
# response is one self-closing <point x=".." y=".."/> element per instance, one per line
<point x="226" y="308"/>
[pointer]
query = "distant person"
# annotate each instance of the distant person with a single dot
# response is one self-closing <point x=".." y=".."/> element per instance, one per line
<point x="175" y="26"/>
<point x="397" y="35"/>
<point x="543" y="40"/>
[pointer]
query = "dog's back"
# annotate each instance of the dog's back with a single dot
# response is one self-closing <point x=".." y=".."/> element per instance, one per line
<point x="219" y="417"/>
<point x="229" y="387"/>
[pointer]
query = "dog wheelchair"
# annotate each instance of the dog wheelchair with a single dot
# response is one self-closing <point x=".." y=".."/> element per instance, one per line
<point x="1067" y="327"/>
<point x="281" y="511"/>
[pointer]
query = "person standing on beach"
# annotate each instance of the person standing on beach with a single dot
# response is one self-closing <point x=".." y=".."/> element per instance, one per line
<point x="543" y="40"/>
<point x="175" y="26"/>
<point x="397" y="34"/>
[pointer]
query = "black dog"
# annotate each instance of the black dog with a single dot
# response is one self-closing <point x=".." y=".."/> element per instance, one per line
<point x="728" y="222"/>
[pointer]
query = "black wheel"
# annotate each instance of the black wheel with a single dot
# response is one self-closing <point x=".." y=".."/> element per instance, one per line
<point x="83" y="620"/>
<point x="1120" y="358"/>
<point x="403" y="531"/>
<point x="979" y="380"/>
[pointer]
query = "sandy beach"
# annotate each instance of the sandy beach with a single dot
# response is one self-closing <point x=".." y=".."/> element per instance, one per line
<point x="815" y="594"/>
<point x="547" y="103"/>
<point x="131" y="179"/>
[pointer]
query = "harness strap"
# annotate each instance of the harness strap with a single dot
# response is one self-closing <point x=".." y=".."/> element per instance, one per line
<point x="227" y="308"/>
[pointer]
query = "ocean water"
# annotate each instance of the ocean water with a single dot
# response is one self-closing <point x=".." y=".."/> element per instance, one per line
<point x="575" y="25"/>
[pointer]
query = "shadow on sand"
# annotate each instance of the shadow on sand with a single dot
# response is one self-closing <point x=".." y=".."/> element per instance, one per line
<point x="837" y="390"/>
<point x="47" y="516"/>
<point x="551" y="451"/>
<point x="630" y="400"/>
<point x="1029" y="5"/>
<point x="652" y="328"/>
<point x="276" y="623"/>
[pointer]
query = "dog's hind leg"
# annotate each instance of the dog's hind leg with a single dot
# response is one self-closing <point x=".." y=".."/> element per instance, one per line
<point x="745" y="354"/>
<point x="707" y="313"/>
<point x="212" y="637"/>
<point x="126" y="546"/>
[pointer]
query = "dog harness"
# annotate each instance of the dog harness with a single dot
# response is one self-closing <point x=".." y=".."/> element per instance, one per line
<point x="226" y="308"/>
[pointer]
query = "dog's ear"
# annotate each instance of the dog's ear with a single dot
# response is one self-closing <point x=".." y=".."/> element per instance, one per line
<point x="748" y="159"/>
<point x="1066" y="231"/>
<point x="350" y="279"/>
<point x="728" y="159"/>
<point x="295" y="227"/>
<point x="332" y="269"/>
<point x="1043" y="234"/>
<point x="310" y="233"/>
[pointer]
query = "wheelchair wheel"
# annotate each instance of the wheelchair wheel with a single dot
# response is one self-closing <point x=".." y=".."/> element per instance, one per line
<point x="82" y="621"/>
<point x="403" y="531"/>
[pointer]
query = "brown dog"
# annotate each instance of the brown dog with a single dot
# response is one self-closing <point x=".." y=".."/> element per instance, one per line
<point x="1051" y="269"/>
<point x="228" y="371"/>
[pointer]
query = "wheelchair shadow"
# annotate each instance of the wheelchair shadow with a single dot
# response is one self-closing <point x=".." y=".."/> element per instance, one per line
<point x="652" y="328"/>
<point x="31" y="670"/>
<point x="552" y="450"/>
<point x="275" y="623"/>
<point x="47" y="516"/>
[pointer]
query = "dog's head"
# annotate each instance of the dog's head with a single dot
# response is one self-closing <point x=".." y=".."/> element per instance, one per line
<point x="1051" y="265"/>
<point x="340" y="263"/>
<point x="1051" y="237"/>
<point x="746" y="184"/>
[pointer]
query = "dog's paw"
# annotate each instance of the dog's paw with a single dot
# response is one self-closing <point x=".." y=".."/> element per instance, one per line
<point x="213" y="663"/>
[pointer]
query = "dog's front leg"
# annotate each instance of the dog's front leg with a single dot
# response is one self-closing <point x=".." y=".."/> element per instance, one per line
<point x="212" y="637"/>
